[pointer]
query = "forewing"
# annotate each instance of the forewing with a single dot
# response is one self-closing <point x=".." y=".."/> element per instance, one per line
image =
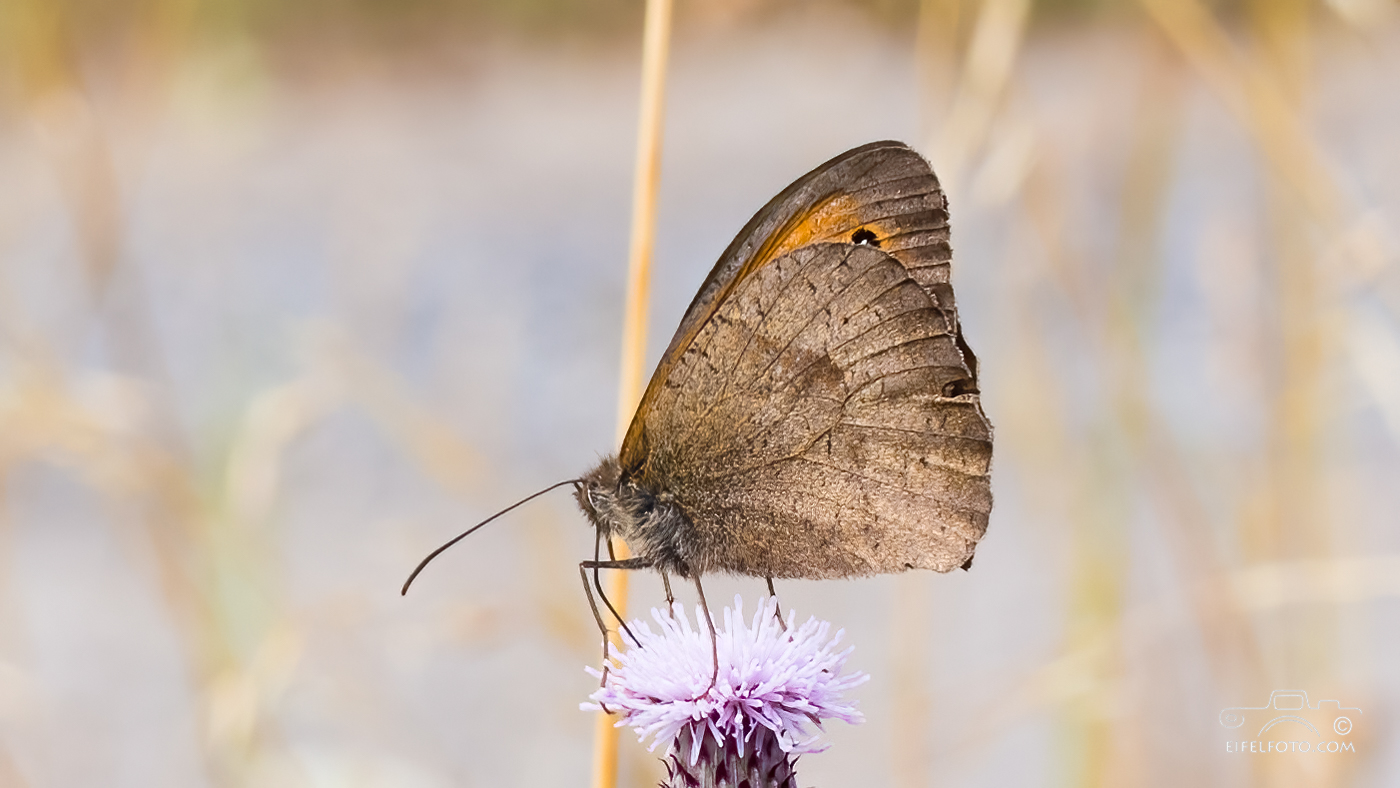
<point x="819" y="424"/>
<point x="882" y="194"/>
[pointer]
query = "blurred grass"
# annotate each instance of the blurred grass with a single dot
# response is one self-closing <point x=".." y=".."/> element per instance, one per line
<point x="1272" y="545"/>
<point x="646" y="181"/>
<point x="399" y="24"/>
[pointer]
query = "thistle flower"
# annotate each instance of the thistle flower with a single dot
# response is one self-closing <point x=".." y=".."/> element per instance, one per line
<point x="774" y="688"/>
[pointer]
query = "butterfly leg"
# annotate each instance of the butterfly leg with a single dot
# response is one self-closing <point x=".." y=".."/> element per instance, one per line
<point x="595" y="565"/>
<point x="630" y="563"/>
<point x="777" y="609"/>
<point x="602" y="627"/>
<point x="593" y="605"/>
<point x="613" y="563"/>
<point x="714" y="639"/>
<point x="670" y="598"/>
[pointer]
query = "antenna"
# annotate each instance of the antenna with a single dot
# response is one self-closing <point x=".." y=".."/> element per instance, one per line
<point x="469" y="531"/>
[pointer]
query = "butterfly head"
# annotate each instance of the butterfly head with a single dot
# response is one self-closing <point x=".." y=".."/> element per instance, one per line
<point x="601" y="496"/>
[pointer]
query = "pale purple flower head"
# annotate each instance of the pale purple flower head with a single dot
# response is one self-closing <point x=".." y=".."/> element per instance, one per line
<point x="775" y="685"/>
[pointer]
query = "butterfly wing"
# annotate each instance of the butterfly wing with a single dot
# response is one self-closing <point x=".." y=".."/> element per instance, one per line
<point x="884" y="189"/>
<point x="817" y="414"/>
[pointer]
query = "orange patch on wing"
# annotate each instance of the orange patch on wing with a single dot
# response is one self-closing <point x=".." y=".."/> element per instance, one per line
<point x="829" y="220"/>
<point x="826" y="220"/>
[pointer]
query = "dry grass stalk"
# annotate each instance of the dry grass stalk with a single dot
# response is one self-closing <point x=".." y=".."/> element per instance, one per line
<point x="656" y="35"/>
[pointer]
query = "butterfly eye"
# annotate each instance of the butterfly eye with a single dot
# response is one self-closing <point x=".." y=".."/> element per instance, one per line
<point x="865" y="238"/>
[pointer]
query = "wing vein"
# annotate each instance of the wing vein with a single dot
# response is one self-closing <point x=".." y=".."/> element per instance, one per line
<point x="724" y="396"/>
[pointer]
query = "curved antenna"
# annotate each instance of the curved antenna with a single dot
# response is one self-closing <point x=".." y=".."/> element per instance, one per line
<point x="469" y="531"/>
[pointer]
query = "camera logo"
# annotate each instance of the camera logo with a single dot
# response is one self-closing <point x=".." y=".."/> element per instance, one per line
<point x="1290" y="712"/>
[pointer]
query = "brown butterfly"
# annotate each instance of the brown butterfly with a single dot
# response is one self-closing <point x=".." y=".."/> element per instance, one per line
<point x="817" y="412"/>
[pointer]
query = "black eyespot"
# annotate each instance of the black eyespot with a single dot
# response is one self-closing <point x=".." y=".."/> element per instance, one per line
<point x="865" y="237"/>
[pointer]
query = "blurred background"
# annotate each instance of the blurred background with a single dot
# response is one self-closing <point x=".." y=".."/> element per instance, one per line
<point x="291" y="292"/>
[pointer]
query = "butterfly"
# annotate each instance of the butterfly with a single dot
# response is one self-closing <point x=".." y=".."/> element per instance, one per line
<point x="817" y="413"/>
